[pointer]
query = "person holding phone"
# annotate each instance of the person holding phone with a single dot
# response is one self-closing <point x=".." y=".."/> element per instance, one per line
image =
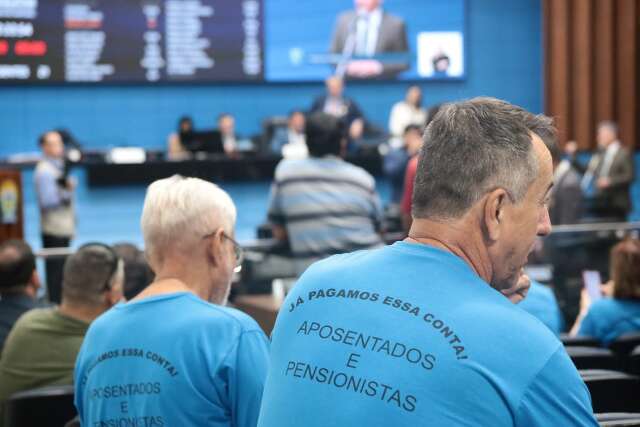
<point x="618" y="311"/>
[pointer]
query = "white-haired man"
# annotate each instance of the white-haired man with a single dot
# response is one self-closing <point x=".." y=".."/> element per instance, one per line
<point x="174" y="355"/>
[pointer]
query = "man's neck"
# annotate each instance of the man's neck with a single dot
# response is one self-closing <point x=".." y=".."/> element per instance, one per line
<point x="16" y="291"/>
<point x="458" y="237"/>
<point x="172" y="278"/>
<point x="82" y="313"/>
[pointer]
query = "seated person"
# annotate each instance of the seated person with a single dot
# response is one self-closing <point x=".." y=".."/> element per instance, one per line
<point x="186" y="359"/>
<point x="618" y="313"/>
<point x="405" y="113"/>
<point x="425" y="332"/>
<point x="542" y="304"/>
<point x="290" y="141"/>
<point x="175" y="144"/>
<point x="395" y="162"/>
<point x="42" y="347"/>
<point x="335" y="104"/>
<point x="413" y="147"/>
<point x="324" y="205"/>
<point x="227" y="129"/>
<point x="19" y="283"/>
<point x="137" y="274"/>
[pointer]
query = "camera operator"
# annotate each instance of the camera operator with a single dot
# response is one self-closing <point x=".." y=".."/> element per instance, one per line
<point x="55" y="200"/>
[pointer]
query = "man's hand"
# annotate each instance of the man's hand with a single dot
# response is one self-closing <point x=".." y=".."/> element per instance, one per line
<point x="364" y="68"/>
<point x="519" y="291"/>
<point x="356" y="129"/>
<point x="603" y="183"/>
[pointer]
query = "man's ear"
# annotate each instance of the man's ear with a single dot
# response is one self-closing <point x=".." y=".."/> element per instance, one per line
<point x="494" y="213"/>
<point x="34" y="281"/>
<point x="215" y="247"/>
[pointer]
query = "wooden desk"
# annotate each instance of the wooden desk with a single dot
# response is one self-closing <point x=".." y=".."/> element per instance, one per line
<point x="263" y="308"/>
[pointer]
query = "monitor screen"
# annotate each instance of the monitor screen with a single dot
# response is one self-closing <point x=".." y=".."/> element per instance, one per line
<point x="137" y="41"/>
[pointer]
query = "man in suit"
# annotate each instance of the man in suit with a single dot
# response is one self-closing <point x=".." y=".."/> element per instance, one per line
<point x="566" y="204"/>
<point x="337" y="105"/>
<point x="290" y="142"/>
<point x="368" y="31"/>
<point x="608" y="176"/>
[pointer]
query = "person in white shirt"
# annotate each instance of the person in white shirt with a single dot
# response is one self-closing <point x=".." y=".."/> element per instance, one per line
<point x="405" y="113"/>
<point x="227" y="129"/>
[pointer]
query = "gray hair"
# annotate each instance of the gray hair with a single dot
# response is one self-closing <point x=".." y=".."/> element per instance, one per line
<point x="609" y="124"/>
<point x="472" y="147"/>
<point x="89" y="273"/>
<point x="178" y="212"/>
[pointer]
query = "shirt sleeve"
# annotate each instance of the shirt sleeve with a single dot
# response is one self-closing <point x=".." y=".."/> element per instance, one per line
<point x="275" y="213"/>
<point x="247" y="375"/>
<point x="377" y="212"/>
<point x="556" y="393"/>
<point x="588" y="326"/>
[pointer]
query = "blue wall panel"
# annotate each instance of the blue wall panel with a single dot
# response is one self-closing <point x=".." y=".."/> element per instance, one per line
<point x="504" y="59"/>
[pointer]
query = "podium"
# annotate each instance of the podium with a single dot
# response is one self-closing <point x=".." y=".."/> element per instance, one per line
<point x="11" y="214"/>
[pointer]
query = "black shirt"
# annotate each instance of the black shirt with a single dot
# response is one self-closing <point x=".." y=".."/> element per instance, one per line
<point x="12" y="306"/>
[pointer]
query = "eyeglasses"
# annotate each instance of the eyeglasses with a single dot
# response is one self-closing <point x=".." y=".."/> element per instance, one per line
<point x="237" y="250"/>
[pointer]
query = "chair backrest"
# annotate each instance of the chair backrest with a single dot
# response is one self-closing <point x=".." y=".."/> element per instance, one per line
<point x="579" y="341"/>
<point x="48" y="406"/>
<point x="618" y="419"/>
<point x="612" y="391"/>
<point x="593" y="358"/>
<point x="625" y="344"/>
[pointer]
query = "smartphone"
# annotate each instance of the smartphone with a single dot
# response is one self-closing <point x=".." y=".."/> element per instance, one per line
<point x="592" y="282"/>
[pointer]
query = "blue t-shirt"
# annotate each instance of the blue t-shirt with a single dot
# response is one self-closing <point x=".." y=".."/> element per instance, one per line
<point x="541" y="303"/>
<point x="171" y="360"/>
<point x="409" y="335"/>
<point x="609" y="318"/>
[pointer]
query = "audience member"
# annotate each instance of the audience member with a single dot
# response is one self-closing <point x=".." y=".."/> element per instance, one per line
<point x="137" y="274"/>
<point x="413" y="143"/>
<point x="618" y="312"/>
<point x="227" y="129"/>
<point x="174" y="355"/>
<point x="566" y="203"/>
<point x="335" y="104"/>
<point x="608" y="177"/>
<point x="175" y="143"/>
<point x="564" y="251"/>
<point x="395" y="162"/>
<point x="19" y="283"/>
<point x="425" y="332"/>
<point x="541" y="303"/>
<point x="290" y="141"/>
<point x="42" y="347"/>
<point x="410" y="172"/>
<point x="405" y="113"/>
<point x="324" y="205"/>
<point x="55" y="200"/>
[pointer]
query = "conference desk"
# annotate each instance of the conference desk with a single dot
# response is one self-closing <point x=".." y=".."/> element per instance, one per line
<point x="215" y="168"/>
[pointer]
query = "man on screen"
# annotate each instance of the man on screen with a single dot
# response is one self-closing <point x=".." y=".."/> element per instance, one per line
<point x="425" y="331"/>
<point x="368" y="31"/>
